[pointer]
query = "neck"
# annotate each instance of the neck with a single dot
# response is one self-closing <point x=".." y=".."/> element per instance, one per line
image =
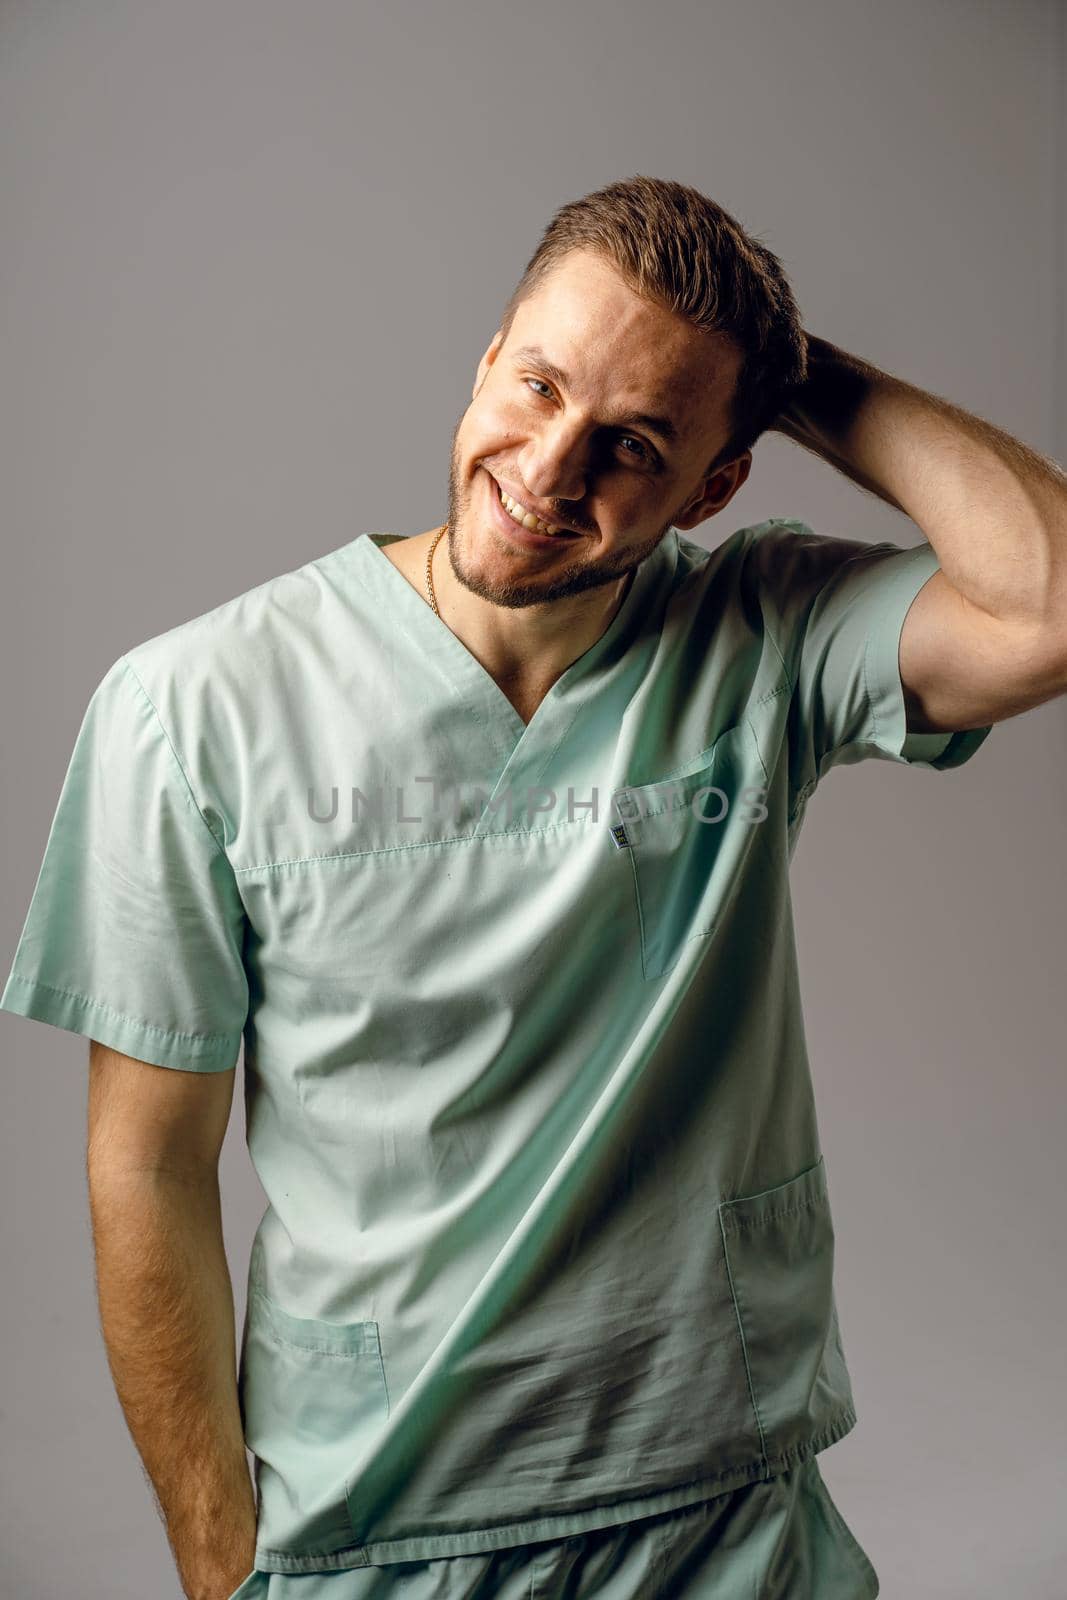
<point x="525" y="649"/>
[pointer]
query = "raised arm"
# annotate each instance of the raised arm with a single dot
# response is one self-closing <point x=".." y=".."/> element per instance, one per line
<point x="986" y="637"/>
<point x="166" y="1304"/>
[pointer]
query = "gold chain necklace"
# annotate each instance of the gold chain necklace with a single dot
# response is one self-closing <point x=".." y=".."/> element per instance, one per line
<point x="429" y="570"/>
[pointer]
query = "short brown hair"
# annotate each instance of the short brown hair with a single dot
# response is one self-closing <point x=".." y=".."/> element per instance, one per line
<point x="673" y="245"/>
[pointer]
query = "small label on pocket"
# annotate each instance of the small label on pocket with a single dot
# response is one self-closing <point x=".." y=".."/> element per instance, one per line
<point x="618" y="834"/>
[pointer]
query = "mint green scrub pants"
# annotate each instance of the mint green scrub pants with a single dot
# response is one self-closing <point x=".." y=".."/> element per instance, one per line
<point x="781" y="1538"/>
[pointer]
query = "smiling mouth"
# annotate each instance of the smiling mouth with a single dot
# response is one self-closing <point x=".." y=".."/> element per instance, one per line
<point x="526" y="519"/>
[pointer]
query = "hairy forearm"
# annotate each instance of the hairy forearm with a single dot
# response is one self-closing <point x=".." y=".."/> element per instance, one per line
<point x="166" y="1310"/>
<point x="994" y="510"/>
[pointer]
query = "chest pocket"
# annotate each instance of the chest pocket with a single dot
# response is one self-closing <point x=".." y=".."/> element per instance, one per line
<point x="687" y="836"/>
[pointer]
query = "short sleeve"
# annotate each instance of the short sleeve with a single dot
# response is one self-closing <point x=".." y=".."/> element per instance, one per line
<point x="135" y="930"/>
<point x="840" y="607"/>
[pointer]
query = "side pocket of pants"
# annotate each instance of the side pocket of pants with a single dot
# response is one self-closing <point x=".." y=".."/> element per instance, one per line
<point x="838" y="1523"/>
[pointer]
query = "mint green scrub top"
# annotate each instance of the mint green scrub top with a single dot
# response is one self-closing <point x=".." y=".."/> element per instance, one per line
<point x="547" y="1244"/>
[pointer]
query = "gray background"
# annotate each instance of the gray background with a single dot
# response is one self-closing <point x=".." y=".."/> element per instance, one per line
<point x="252" y="253"/>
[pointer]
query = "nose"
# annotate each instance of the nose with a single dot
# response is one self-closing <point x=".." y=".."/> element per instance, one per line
<point x="553" y="464"/>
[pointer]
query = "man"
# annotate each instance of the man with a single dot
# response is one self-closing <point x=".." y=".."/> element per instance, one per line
<point x="479" y="840"/>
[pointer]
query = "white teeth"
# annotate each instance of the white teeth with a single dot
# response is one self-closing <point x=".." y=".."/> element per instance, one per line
<point x="525" y="518"/>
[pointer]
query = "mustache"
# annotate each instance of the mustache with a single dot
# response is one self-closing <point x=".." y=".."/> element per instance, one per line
<point x="559" y="510"/>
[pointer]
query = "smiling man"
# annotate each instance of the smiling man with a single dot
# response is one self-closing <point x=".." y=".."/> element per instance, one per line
<point x="587" y="439"/>
<point x="542" y="1299"/>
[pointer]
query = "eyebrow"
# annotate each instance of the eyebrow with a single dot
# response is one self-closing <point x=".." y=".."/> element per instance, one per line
<point x="533" y="355"/>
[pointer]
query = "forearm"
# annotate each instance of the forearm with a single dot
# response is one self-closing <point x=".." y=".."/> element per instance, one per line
<point x="994" y="510"/>
<point x="166" y="1310"/>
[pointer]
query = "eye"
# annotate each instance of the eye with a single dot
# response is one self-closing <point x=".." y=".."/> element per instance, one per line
<point x="644" y="453"/>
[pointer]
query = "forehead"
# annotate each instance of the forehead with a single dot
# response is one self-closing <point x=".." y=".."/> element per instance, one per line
<point x="623" y="351"/>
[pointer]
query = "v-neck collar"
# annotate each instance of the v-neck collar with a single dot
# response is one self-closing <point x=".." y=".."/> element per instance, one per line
<point x="465" y="675"/>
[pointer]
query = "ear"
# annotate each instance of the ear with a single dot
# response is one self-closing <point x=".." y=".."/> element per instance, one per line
<point x="487" y="360"/>
<point x="715" y="492"/>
